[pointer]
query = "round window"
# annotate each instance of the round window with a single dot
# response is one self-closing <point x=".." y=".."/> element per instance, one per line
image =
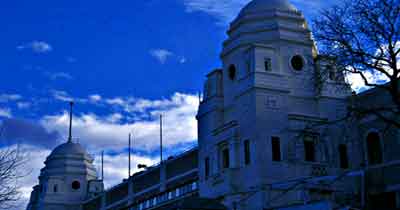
<point x="76" y="185"/>
<point x="297" y="62"/>
<point x="232" y="72"/>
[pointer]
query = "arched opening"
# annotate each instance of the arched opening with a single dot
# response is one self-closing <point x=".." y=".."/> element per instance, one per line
<point x="207" y="167"/>
<point x="343" y="156"/>
<point x="246" y="146"/>
<point x="331" y="73"/>
<point x="55" y="188"/>
<point x="225" y="158"/>
<point x="374" y="148"/>
<point x="232" y="72"/>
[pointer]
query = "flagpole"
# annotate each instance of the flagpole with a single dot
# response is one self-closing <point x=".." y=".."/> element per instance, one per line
<point x="129" y="158"/>
<point x="70" y="122"/>
<point x="161" y="140"/>
<point x="102" y="165"/>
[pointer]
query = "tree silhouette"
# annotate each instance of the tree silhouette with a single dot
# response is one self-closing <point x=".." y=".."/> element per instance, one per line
<point x="11" y="163"/>
<point x="362" y="37"/>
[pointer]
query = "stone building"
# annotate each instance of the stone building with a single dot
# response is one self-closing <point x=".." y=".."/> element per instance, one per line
<point x="265" y="140"/>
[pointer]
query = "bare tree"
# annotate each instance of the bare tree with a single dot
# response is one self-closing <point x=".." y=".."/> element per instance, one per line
<point x="362" y="37"/>
<point x="11" y="163"/>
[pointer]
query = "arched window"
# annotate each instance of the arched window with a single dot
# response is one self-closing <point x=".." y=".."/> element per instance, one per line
<point x="55" y="188"/>
<point x="374" y="148"/>
<point x="232" y="72"/>
<point x="309" y="147"/>
<point x="207" y="167"/>
<point x="225" y="158"/>
<point x="343" y="157"/>
<point x="267" y="64"/>
<point x="276" y="148"/>
<point x="331" y="73"/>
<point x="247" y="152"/>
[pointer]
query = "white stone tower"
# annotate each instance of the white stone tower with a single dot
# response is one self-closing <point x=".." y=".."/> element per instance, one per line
<point x="257" y="106"/>
<point x="67" y="179"/>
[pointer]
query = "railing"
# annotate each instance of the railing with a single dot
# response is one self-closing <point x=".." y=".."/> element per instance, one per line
<point x="165" y="197"/>
<point x="156" y="165"/>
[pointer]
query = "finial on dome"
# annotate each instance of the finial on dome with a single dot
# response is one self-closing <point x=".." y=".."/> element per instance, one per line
<point x="71" y="104"/>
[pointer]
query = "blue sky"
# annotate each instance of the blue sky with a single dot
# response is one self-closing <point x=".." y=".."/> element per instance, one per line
<point x="123" y="62"/>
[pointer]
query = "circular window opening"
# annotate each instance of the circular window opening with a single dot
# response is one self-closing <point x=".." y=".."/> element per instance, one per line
<point x="297" y="62"/>
<point x="232" y="72"/>
<point x="76" y="185"/>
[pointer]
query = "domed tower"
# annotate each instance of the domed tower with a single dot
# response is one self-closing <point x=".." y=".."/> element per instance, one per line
<point x="257" y="105"/>
<point x="68" y="179"/>
<point x="269" y="44"/>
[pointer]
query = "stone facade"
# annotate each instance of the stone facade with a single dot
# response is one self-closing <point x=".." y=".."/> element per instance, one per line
<point x="267" y="90"/>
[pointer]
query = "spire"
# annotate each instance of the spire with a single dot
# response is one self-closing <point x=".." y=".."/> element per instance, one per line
<point x="71" y="104"/>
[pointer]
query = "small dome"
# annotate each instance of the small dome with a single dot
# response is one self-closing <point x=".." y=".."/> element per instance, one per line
<point x="265" y="5"/>
<point x="69" y="158"/>
<point x="69" y="148"/>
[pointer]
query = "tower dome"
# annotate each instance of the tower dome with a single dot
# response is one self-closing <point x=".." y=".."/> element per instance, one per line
<point x="256" y="6"/>
<point x="68" y="148"/>
<point x="267" y="22"/>
<point x="67" y="179"/>
<point x="69" y="158"/>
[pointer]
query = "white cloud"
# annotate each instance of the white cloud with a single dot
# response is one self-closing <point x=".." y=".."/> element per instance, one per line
<point x="98" y="132"/>
<point x="61" y="95"/>
<point x="373" y="77"/>
<point x="95" y="98"/>
<point x="58" y="75"/>
<point x="9" y="97"/>
<point x="5" y="112"/>
<point x="161" y="55"/>
<point x="23" y="105"/>
<point x="32" y="68"/>
<point x="116" y="167"/>
<point x="226" y="10"/>
<point x="223" y="10"/>
<point x="182" y="60"/>
<point x="70" y="59"/>
<point x="358" y="84"/>
<point x="37" y="47"/>
<point x="114" y="118"/>
<point x="116" y="101"/>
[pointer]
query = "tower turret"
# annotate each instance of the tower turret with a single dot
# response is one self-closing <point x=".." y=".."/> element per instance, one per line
<point x="67" y="179"/>
<point x="256" y="105"/>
